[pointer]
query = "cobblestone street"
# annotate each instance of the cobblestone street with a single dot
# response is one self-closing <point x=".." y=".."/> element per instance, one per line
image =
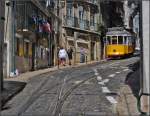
<point x="90" y="91"/>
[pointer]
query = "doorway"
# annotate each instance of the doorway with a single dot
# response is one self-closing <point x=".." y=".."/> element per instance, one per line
<point x="93" y="50"/>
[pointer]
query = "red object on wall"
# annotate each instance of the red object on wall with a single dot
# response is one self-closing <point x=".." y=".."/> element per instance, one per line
<point x="47" y="27"/>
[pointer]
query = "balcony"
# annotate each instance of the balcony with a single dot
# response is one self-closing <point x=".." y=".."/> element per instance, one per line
<point x="80" y="24"/>
<point x="91" y="3"/>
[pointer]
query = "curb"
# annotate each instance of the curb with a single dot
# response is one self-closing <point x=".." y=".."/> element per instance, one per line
<point x="127" y="104"/>
<point x="22" y="78"/>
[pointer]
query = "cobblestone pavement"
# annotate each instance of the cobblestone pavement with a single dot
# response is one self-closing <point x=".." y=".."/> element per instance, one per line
<point x="80" y="91"/>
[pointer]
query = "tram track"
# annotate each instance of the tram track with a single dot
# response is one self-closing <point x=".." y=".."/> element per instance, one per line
<point x="36" y="94"/>
<point x="60" y="103"/>
<point x="57" y="83"/>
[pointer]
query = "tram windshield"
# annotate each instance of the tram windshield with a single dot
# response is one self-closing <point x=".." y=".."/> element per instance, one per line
<point x="120" y="39"/>
<point x="114" y="39"/>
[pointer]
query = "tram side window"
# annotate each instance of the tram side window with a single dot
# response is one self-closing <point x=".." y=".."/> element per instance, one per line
<point x="125" y="41"/>
<point x="130" y="40"/>
<point x="114" y="40"/>
<point x="108" y="40"/>
<point x="120" y="40"/>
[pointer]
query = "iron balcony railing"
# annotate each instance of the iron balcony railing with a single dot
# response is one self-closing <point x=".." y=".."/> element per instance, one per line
<point x="92" y="2"/>
<point x="70" y="21"/>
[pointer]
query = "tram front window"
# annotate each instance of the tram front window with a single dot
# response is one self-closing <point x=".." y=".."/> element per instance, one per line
<point x="125" y="41"/>
<point x="120" y="40"/>
<point x="114" y="39"/>
<point x="108" y="40"/>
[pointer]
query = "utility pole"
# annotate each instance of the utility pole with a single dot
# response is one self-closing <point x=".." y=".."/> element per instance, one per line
<point x="2" y="16"/>
<point x="145" y="58"/>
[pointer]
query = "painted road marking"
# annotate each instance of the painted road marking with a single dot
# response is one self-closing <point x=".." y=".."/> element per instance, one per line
<point x="123" y="67"/>
<point x="118" y="72"/>
<point x="105" y="90"/>
<point x="112" y="75"/>
<point x="77" y="82"/>
<point x="95" y="70"/>
<point x="111" y="99"/>
<point x="125" y="70"/>
<point x="103" y="82"/>
<point x="99" y="78"/>
<point x="96" y="74"/>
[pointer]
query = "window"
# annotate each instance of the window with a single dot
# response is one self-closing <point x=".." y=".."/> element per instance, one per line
<point x="108" y="40"/>
<point x="92" y="20"/>
<point x="69" y="10"/>
<point x="120" y="40"/>
<point x="130" y="40"/>
<point x="26" y="49"/>
<point x="125" y="40"/>
<point x="70" y="33"/>
<point x="81" y="12"/>
<point x="20" y="15"/>
<point x="17" y="46"/>
<point x="114" y="39"/>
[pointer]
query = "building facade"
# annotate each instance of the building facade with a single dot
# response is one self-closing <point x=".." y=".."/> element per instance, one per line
<point x="80" y="28"/>
<point x="30" y="33"/>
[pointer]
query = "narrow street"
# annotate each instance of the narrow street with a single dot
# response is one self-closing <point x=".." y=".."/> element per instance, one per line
<point x="88" y="90"/>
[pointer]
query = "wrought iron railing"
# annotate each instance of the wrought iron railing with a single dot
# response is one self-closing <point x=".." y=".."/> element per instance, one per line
<point x="80" y="23"/>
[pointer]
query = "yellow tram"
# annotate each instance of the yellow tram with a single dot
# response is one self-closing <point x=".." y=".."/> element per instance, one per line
<point x="119" y="43"/>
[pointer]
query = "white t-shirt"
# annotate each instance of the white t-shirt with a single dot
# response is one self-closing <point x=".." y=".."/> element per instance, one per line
<point x="62" y="53"/>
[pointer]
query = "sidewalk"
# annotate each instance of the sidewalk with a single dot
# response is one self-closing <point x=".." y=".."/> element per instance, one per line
<point x="127" y="103"/>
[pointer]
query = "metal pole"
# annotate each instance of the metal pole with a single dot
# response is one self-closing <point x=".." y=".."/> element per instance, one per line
<point x="75" y="46"/>
<point x="2" y="16"/>
<point x="57" y="42"/>
<point x="13" y="37"/>
<point x="145" y="95"/>
<point x="49" y="55"/>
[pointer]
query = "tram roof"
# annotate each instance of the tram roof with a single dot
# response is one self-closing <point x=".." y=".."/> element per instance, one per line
<point x="118" y="31"/>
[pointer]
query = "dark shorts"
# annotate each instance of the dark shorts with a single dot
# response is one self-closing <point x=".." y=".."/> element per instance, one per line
<point x="70" y="58"/>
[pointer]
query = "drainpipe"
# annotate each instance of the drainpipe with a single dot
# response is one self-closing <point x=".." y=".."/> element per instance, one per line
<point x="2" y="14"/>
<point x="13" y="67"/>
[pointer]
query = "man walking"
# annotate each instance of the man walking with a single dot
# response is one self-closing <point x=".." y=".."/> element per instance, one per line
<point x="62" y="56"/>
<point x="70" y="51"/>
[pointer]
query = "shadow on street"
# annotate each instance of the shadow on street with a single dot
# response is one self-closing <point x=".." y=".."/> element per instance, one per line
<point x="11" y="88"/>
<point x="133" y="78"/>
